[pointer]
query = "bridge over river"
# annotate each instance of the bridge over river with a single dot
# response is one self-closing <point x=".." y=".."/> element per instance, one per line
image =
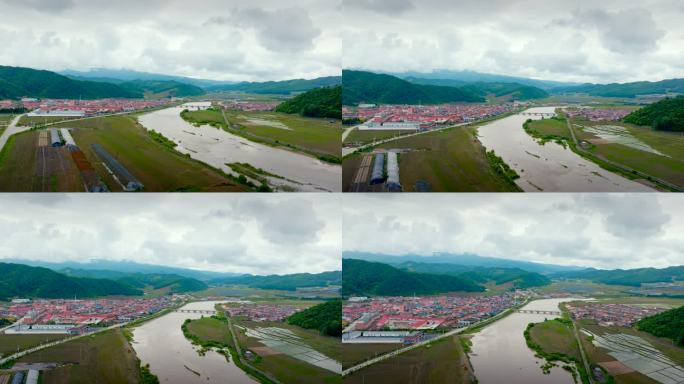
<point x="200" y="311"/>
<point x="542" y="114"/>
<point x="539" y="312"/>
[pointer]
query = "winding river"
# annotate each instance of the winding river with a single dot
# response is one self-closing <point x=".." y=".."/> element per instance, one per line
<point x="500" y="354"/>
<point x="217" y="147"/>
<point x="548" y="167"/>
<point x="161" y="344"/>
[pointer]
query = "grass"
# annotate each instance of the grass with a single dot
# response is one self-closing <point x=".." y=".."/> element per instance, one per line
<point x="10" y="343"/>
<point x="353" y="354"/>
<point x="451" y="160"/>
<point x="158" y="167"/>
<point x="440" y="362"/>
<point x="316" y="137"/>
<point x="365" y="137"/>
<point x="26" y="120"/>
<point x="554" y="341"/>
<point x="103" y="358"/>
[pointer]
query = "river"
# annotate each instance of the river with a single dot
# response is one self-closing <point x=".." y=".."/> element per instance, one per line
<point x="548" y="167"/>
<point x="500" y="354"/>
<point x="161" y="344"/>
<point x="217" y="147"/>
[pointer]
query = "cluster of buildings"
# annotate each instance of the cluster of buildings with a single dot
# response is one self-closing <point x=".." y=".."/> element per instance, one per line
<point x="8" y="104"/>
<point x="250" y="106"/>
<point x="423" y="313"/>
<point x="420" y="117"/>
<point x="262" y="312"/>
<point x="597" y="114"/>
<point x="83" y="108"/>
<point x="613" y="314"/>
<point x="75" y="316"/>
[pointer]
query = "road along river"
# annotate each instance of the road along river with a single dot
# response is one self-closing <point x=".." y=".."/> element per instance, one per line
<point x="548" y="167"/>
<point x="500" y="354"/>
<point x="217" y="147"/>
<point x="161" y="344"/>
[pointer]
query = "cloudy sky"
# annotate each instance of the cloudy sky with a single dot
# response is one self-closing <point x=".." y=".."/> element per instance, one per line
<point x="220" y="232"/>
<point x="568" y="40"/>
<point x="592" y="230"/>
<point x="214" y="39"/>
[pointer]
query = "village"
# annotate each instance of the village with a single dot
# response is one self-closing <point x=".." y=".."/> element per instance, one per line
<point x="262" y="312"/>
<point x="606" y="315"/>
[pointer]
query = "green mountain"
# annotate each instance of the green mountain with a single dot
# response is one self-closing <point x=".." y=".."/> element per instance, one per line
<point x="669" y="324"/>
<point x="16" y="82"/>
<point x="508" y="91"/>
<point x="664" y="115"/>
<point x="162" y="88"/>
<point x="518" y="278"/>
<point x="319" y="102"/>
<point x="363" y="278"/>
<point x="468" y="77"/>
<point x="368" y="87"/>
<point x="285" y="87"/>
<point x="285" y="282"/>
<point x="174" y="283"/>
<point x="631" y="277"/>
<point x="326" y="317"/>
<point x="117" y="76"/>
<point x="628" y="90"/>
<point x="18" y="280"/>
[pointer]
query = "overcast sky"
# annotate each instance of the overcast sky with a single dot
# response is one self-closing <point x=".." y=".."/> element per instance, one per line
<point x="215" y="39"/>
<point x="592" y="230"/>
<point x="258" y="234"/>
<point x="568" y="40"/>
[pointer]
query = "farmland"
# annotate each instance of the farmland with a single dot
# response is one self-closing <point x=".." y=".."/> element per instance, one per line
<point x="11" y="343"/>
<point x="451" y="160"/>
<point x="439" y="362"/>
<point x="157" y="166"/>
<point x="369" y="136"/>
<point x="316" y="137"/>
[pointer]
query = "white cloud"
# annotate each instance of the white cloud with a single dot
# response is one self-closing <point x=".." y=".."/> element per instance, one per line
<point x="220" y="232"/>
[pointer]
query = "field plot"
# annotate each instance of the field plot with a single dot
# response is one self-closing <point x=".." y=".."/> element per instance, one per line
<point x="103" y="358"/>
<point x="290" y="353"/>
<point x="14" y="343"/>
<point x="42" y="120"/>
<point x="554" y="336"/>
<point x="440" y="362"/>
<point x="27" y="164"/>
<point x="636" y="354"/>
<point x="320" y="137"/>
<point x="368" y="136"/>
<point x="353" y="353"/>
<point x="451" y="160"/>
<point x="660" y="154"/>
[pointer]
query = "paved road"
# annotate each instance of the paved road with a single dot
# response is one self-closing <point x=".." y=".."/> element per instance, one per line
<point x="11" y="129"/>
<point x="347" y="132"/>
<point x="239" y="354"/>
<point x="52" y="344"/>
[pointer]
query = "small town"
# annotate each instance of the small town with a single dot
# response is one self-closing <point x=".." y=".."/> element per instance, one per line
<point x="606" y="315"/>
<point x="262" y="312"/>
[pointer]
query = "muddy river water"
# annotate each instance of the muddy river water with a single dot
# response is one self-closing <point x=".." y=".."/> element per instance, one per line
<point x="548" y="167"/>
<point x="217" y="147"/>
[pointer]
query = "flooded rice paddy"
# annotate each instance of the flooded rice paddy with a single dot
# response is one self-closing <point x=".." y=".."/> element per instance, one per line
<point x="620" y="135"/>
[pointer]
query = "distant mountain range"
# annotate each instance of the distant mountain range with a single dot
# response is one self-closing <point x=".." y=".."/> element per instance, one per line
<point x="627" y="90"/>
<point x="368" y="87"/>
<point x="284" y="282"/>
<point x="466" y="260"/>
<point x="501" y="91"/>
<point x="169" y="283"/>
<point x="285" y="87"/>
<point x="631" y="277"/>
<point x="117" y="76"/>
<point x="18" y="280"/>
<point x="478" y="77"/>
<point x="365" y="278"/>
<point x="123" y="268"/>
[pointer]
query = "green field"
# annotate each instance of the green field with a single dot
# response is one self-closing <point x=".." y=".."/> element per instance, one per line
<point x="158" y="167"/>
<point x="554" y="336"/>
<point x="365" y="137"/>
<point x="103" y="358"/>
<point x="440" y="362"/>
<point x="353" y="354"/>
<point x="549" y="129"/>
<point x="317" y="137"/>
<point x="31" y="121"/>
<point x="451" y="160"/>
<point x="13" y="343"/>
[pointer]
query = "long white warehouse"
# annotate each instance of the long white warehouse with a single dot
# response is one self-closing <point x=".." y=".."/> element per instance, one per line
<point x="67" y="137"/>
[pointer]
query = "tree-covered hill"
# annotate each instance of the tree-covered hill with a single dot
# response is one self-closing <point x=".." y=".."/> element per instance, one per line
<point x="319" y="102"/>
<point x="669" y="324"/>
<point x="18" y="280"/>
<point x="631" y="277"/>
<point x="517" y="277"/>
<point x="368" y="87"/>
<point x="173" y="282"/>
<point x="285" y="282"/>
<point x="363" y="278"/>
<point x="629" y="90"/>
<point x="162" y="88"/>
<point x="326" y="317"/>
<point x="284" y="87"/>
<point x="16" y="82"/>
<point x="664" y="115"/>
<point x="510" y="91"/>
